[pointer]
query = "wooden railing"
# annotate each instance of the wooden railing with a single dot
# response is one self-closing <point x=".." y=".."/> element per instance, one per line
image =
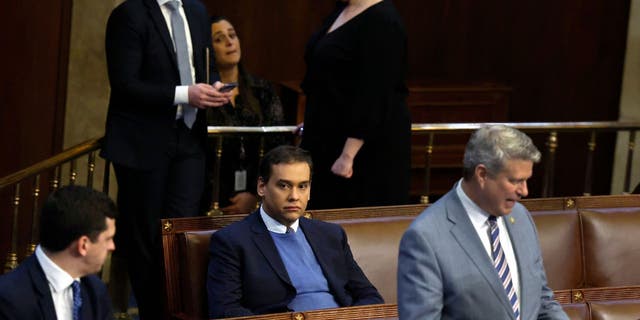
<point x="32" y="177"/>
<point x="26" y="191"/>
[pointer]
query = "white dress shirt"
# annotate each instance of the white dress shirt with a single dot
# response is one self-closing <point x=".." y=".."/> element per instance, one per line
<point x="480" y="220"/>
<point x="59" y="285"/>
<point x="274" y="226"/>
<point x="182" y="92"/>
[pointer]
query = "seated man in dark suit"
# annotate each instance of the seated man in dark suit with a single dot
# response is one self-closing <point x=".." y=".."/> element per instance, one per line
<point x="58" y="282"/>
<point x="275" y="260"/>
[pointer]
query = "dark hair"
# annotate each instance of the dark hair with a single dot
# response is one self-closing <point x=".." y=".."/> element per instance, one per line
<point x="71" y="212"/>
<point x="283" y="154"/>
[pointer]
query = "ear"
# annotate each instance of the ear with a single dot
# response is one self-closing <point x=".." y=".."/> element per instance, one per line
<point x="82" y="245"/>
<point x="261" y="186"/>
<point x="481" y="174"/>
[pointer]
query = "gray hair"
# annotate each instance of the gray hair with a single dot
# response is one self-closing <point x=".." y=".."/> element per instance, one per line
<point x="493" y="145"/>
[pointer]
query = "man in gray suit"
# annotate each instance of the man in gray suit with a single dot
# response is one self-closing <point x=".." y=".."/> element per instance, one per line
<point x="474" y="254"/>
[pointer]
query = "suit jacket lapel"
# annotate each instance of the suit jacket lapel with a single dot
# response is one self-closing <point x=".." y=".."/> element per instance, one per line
<point x="467" y="237"/>
<point x="521" y="251"/>
<point x="41" y="288"/>
<point x="161" y="25"/>
<point x="322" y="253"/>
<point x="267" y="247"/>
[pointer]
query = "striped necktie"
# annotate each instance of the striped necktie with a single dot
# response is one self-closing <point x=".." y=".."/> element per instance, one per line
<point x="77" y="299"/>
<point x="502" y="267"/>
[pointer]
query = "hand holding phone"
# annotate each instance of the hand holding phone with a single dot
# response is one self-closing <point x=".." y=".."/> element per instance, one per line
<point x="228" y="87"/>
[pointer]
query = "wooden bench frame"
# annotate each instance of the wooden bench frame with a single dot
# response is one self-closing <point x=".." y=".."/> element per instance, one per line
<point x="173" y="231"/>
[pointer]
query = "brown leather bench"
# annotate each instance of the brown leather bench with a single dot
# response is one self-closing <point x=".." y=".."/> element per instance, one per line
<point x="572" y="233"/>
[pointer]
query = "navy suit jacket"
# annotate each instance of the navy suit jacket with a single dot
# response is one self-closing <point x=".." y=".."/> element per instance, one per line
<point x="25" y="295"/>
<point x="444" y="272"/>
<point x="247" y="276"/>
<point x="143" y="73"/>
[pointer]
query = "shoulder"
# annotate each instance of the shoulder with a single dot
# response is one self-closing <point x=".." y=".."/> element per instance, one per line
<point x="94" y="283"/>
<point x="17" y="285"/>
<point x="238" y="230"/>
<point x="257" y="82"/>
<point x="325" y="228"/>
<point x="385" y="12"/>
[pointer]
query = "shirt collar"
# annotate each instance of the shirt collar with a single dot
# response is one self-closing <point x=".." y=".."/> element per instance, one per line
<point x="274" y="226"/>
<point x="163" y="2"/>
<point x="478" y="216"/>
<point x="58" y="278"/>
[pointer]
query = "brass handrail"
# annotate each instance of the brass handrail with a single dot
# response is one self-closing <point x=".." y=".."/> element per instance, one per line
<point x="56" y="160"/>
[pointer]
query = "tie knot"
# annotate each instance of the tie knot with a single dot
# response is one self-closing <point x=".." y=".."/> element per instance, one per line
<point x="75" y="286"/>
<point x="173" y="5"/>
<point x="290" y="230"/>
<point x="492" y="220"/>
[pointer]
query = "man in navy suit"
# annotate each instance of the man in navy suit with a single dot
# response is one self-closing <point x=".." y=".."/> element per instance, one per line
<point x="158" y="79"/>
<point x="76" y="234"/>
<point x="275" y="260"/>
<point x="474" y="254"/>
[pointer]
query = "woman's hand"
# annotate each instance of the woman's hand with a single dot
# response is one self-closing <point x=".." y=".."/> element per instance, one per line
<point x="241" y="203"/>
<point x="343" y="166"/>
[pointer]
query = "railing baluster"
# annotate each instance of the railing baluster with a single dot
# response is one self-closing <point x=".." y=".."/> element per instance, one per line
<point x="627" y="175"/>
<point x="215" y="198"/>
<point x="428" y="154"/>
<point x="55" y="180"/>
<point x="72" y="172"/>
<point x="91" y="166"/>
<point x="552" y="144"/>
<point x="12" y="256"/>
<point x="589" y="168"/>
<point x="35" y="214"/>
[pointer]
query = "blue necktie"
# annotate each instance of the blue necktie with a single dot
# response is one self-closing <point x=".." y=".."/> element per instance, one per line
<point x="182" y="55"/>
<point x="77" y="299"/>
<point x="502" y="267"/>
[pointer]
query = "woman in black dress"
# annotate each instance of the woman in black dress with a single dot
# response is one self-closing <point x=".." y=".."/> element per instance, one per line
<point x="253" y="103"/>
<point x="357" y="124"/>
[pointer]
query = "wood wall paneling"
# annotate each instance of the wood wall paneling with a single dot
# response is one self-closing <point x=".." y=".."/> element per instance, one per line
<point x="32" y="92"/>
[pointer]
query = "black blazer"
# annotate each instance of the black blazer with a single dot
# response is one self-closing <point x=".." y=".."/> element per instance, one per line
<point x="247" y="276"/>
<point x="25" y="295"/>
<point x="143" y="73"/>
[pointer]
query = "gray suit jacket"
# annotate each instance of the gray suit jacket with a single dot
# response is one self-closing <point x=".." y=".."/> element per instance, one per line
<point x="444" y="271"/>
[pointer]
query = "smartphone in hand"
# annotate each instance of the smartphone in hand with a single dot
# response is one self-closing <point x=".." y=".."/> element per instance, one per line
<point x="228" y="87"/>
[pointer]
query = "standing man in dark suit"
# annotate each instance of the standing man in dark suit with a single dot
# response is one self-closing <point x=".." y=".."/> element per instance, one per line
<point x="275" y="260"/>
<point x="156" y="130"/>
<point x="77" y="226"/>
<point x="474" y="254"/>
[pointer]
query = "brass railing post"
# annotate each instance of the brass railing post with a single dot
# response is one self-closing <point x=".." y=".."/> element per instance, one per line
<point x="31" y="247"/>
<point x="589" y="168"/>
<point x="12" y="256"/>
<point x="627" y="175"/>
<point x="91" y="166"/>
<point x="72" y="172"/>
<point x="55" y="180"/>
<point x="214" y="210"/>
<point x="428" y="154"/>
<point x="552" y="144"/>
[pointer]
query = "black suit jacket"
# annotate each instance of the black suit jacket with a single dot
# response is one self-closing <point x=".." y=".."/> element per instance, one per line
<point x="25" y="295"/>
<point x="143" y="73"/>
<point x="247" y="276"/>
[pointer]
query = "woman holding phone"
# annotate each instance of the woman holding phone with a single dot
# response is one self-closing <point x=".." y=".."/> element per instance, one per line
<point x="253" y="103"/>
<point x="357" y="124"/>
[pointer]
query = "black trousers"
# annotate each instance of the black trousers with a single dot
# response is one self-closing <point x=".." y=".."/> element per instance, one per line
<point x="171" y="189"/>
